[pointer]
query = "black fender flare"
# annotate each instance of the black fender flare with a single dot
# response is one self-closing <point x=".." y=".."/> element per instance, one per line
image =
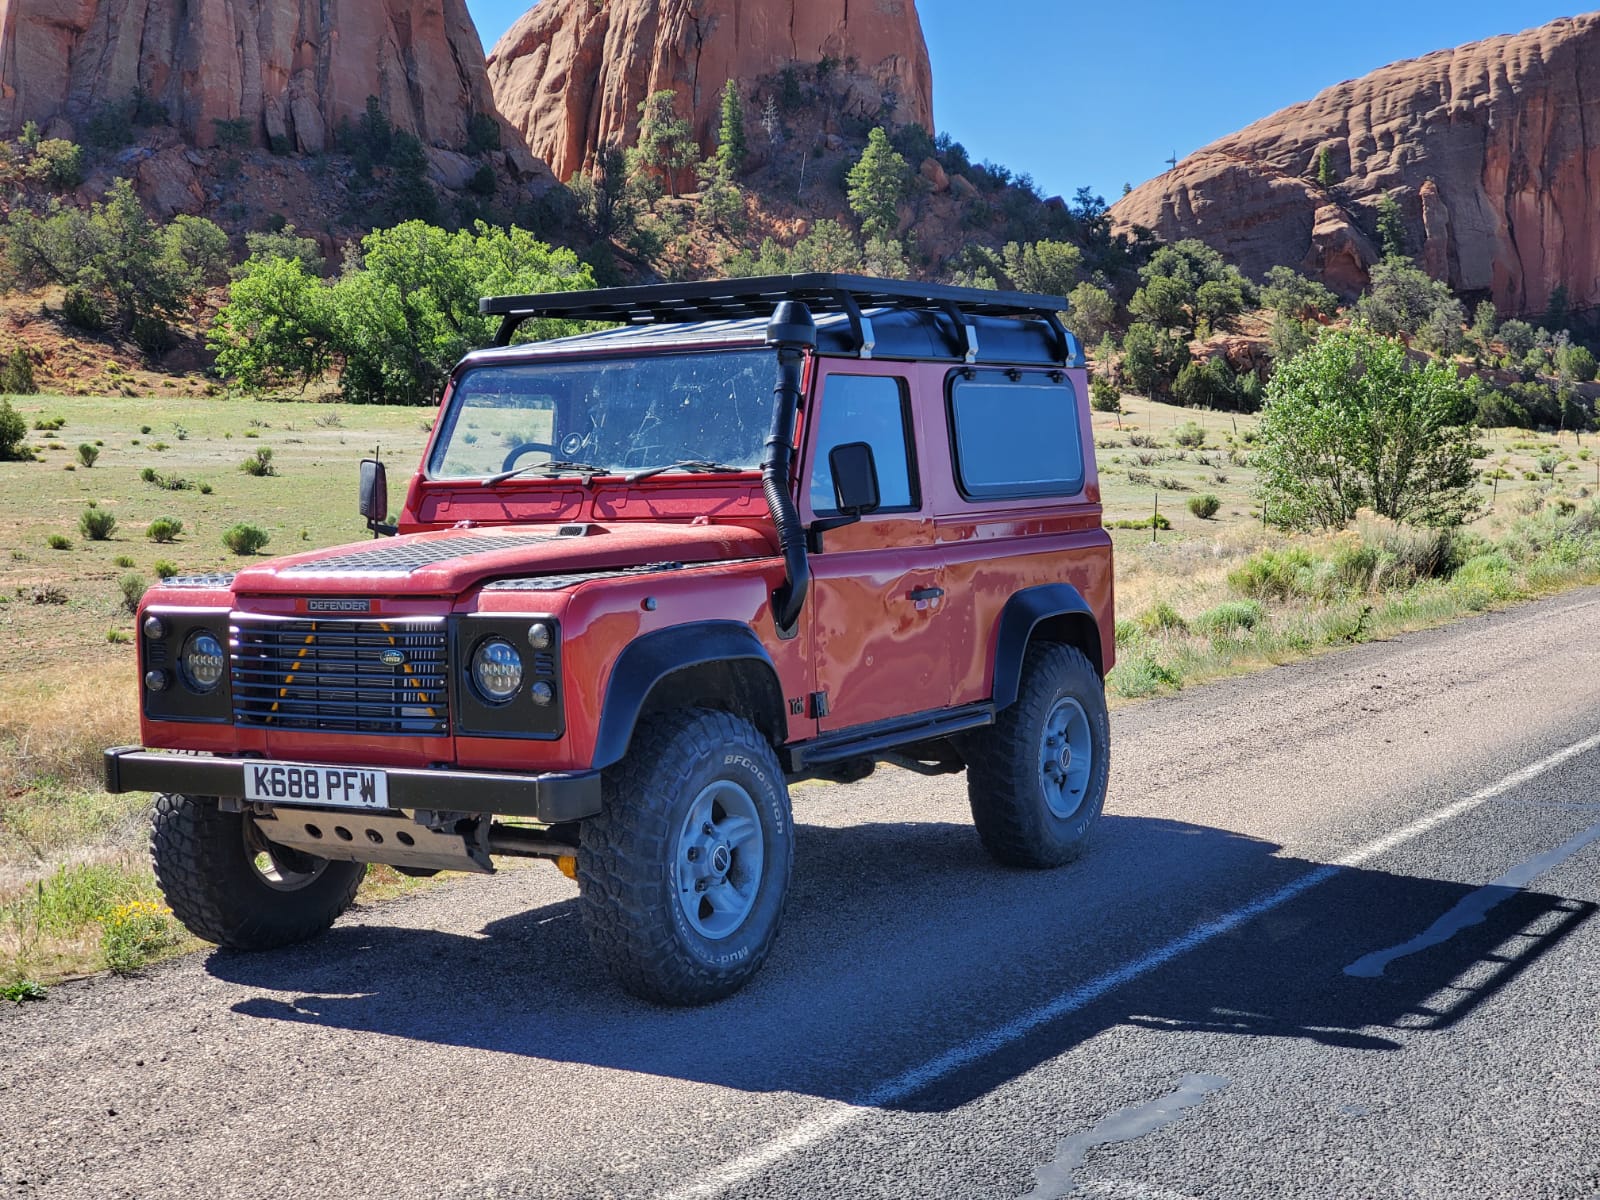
<point x="1058" y="603"/>
<point x="652" y="658"/>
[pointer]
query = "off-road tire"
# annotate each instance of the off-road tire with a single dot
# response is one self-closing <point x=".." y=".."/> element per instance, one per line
<point x="628" y="858"/>
<point x="1004" y="781"/>
<point x="205" y="870"/>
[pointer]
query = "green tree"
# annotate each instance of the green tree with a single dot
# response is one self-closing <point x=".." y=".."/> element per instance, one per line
<point x="1045" y="267"/>
<point x="202" y="248"/>
<point x="828" y="247"/>
<point x="877" y="183"/>
<point x="1289" y="293"/>
<point x="1352" y="423"/>
<point x="1325" y="175"/>
<point x="1174" y="280"/>
<point x="1403" y="299"/>
<point x="1391" y="227"/>
<point x="1576" y="363"/>
<point x="1152" y="358"/>
<point x="731" y="148"/>
<point x="277" y="327"/>
<point x="13" y="429"/>
<point x="119" y="267"/>
<point x="285" y="243"/>
<point x="666" y="140"/>
<point x="1485" y="323"/>
<point x="1090" y="312"/>
<point x="1164" y="302"/>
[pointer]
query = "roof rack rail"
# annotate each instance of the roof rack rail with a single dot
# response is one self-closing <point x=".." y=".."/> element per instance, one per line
<point x="741" y="299"/>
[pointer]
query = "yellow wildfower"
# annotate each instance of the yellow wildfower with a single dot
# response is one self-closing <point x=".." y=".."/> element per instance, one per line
<point x="138" y="910"/>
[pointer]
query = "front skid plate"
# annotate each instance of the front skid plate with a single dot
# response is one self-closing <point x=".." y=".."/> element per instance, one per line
<point x="353" y="836"/>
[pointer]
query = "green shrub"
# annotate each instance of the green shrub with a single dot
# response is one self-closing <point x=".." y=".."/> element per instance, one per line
<point x="1229" y="617"/>
<point x="206" y="489"/>
<point x="1104" y="395"/>
<point x="1276" y="574"/>
<point x="1162" y="618"/>
<point x="97" y="524"/>
<point x="13" y="428"/>
<point x="58" y="541"/>
<point x="1204" y="506"/>
<point x="81" y="310"/>
<point x="163" y="568"/>
<point x="16" y="376"/>
<point x="88" y="453"/>
<point x="164" y="529"/>
<point x="1143" y="676"/>
<point x="245" y="539"/>
<point x="1128" y="632"/>
<point x="133" y="588"/>
<point x="133" y="934"/>
<point x="144" y="429"/>
<point x="117" y="637"/>
<point x="1159" y="520"/>
<point x="1408" y="555"/>
<point x="123" y="561"/>
<point x="149" y="475"/>
<point x="1190" y="436"/>
<point x="259" y="463"/>
<point x="1353" y="566"/>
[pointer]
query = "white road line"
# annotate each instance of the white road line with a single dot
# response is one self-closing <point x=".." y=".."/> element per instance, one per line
<point x="814" y="1129"/>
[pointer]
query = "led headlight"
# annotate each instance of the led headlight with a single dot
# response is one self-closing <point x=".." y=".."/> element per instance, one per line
<point x="497" y="670"/>
<point x="204" y="661"/>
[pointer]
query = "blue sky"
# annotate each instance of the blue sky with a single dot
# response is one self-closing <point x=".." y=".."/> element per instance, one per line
<point x="1102" y="94"/>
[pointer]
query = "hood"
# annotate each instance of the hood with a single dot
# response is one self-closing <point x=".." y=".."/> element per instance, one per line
<point x="449" y="562"/>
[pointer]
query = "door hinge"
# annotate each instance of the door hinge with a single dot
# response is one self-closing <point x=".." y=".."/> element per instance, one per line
<point x="819" y="705"/>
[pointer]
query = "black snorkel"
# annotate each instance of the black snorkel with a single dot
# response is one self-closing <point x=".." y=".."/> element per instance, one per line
<point x="793" y="332"/>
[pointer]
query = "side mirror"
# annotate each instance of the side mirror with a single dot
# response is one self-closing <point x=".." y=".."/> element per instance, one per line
<point x="855" y="479"/>
<point x="375" y="496"/>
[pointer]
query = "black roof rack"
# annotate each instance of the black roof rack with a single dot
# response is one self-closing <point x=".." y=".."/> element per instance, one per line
<point x="743" y="299"/>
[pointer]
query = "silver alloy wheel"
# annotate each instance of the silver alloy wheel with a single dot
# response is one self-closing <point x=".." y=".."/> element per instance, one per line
<point x="1066" y="757"/>
<point x="718" y="859"/>
<point x="281" y="869"/>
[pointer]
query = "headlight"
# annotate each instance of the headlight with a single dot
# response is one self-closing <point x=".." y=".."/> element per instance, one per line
<point x="203" y="661"/>
<point x="497" y="670"/>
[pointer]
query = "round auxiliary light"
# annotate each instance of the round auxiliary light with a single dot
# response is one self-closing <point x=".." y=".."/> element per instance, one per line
<point x="497" y="670"/>
<point x="543" y="694"/>
<point x="155" y="628"/>
<point x="540" y="636"/>
<point x="156" y="681"/>
<point x="203" y="661"/>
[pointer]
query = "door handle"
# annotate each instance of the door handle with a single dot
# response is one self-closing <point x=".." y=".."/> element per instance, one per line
<point x="926" y="593"/>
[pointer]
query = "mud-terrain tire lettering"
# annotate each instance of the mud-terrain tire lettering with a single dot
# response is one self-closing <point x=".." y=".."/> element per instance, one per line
<point x="204" y="866"/>
<point x="1014" y="821"/>
<point x="627" y="861"/>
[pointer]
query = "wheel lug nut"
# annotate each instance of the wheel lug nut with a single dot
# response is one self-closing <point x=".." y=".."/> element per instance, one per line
<point x="708" y="829"/>
<point x="694" y="854"/>
<point x="699" y="885"/>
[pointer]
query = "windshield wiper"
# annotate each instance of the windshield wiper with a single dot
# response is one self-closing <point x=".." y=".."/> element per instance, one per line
<point x="587" y="470"/>
<point x="691" y="465"/>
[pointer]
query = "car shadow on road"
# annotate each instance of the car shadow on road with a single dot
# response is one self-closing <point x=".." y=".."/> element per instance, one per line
<point x="903" y="941"/>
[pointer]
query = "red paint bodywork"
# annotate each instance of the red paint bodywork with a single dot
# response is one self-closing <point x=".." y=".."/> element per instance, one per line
<point x="876" y="652"/>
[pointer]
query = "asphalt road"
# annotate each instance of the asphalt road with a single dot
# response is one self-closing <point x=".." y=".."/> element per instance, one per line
<point x="1336" y="939"/>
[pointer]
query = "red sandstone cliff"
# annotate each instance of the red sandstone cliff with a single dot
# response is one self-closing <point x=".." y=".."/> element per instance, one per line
<point x="293" y="68"/>
<point x="570" y="74"/>
<point x="1492" y="150"/>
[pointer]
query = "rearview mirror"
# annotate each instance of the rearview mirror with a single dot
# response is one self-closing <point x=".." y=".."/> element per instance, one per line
<point x="855" y="479"/>
<point x="375" y="496"/>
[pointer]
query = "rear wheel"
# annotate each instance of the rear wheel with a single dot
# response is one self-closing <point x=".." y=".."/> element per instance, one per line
<point x="1036" y="779"/>
<point x="229" y="885"/>
<point x="684" y="875"/>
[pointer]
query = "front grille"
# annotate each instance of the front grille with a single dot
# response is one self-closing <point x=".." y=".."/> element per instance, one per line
<point x="330" y="676"/>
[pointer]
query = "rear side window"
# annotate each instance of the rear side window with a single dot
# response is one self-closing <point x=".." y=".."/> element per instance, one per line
<point x="1015" y="437"/>
<point x="871" y="409"/>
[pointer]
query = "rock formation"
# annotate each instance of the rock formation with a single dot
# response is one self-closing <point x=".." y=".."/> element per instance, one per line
<point x="292" y="69"/>
<point x="1492" y="151"/>
<point x="570" y="74"/>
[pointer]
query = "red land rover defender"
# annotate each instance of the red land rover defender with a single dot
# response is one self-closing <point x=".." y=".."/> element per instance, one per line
<point x="637" y="590"/>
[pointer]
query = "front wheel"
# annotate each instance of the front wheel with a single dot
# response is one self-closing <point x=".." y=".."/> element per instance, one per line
<point x="1036" y="779"/>
<point x="229" y="885"/>
<point x="684" y="874"/>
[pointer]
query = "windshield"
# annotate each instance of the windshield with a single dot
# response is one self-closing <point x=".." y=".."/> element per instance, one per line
<point x="609" y="416"/>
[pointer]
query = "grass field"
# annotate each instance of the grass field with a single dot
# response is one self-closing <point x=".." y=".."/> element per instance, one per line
<point x="75" y="892"/>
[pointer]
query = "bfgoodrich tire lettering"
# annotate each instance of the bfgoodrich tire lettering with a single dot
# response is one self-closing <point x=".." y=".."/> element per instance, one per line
<point x="229" y="885"/>
<point x="684" y="875"/>
<point x="1034" y="801"/>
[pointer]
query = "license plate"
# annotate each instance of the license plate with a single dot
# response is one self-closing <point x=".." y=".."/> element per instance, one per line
<point x="296" y="783"/>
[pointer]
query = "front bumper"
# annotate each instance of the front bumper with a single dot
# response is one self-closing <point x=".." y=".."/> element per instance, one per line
<point x="548" y="799"/>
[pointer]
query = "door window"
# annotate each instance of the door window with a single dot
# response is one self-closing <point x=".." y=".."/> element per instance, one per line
<point x="871" y="409"/>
